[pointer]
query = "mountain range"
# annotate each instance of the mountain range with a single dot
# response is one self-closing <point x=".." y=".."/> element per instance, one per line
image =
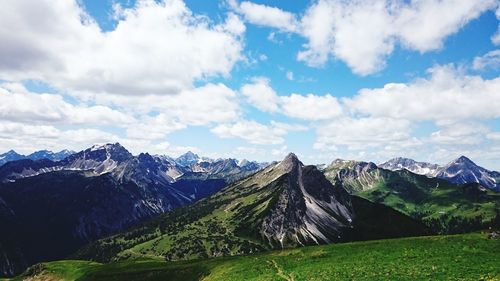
<point x="459" y="171"/>
<point x="444" y="206"/>
<point x="58" y="206"/>
<point x="11" y="155"/>
<point x="194" y="207"/>
<point x="287" y="204"/>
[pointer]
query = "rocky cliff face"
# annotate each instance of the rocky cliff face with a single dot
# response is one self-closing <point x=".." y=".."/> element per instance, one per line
<point x="354" y="175"/>
<point x="308" y="210"/>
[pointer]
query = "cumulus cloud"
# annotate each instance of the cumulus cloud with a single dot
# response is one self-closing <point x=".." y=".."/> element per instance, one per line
<point x="311" y="107"/>
<point x="363" y="33"/>
<point x="496" y="37"/>
<point x="20" y="105"/>
<point x="264" y="15"/>
<point x="382" y="123"/>
<point x="448" y="95"/>
<point x="260" y="94"/>
<point x="490" y="60"/>
<point x="464" y="133"/>
<point x="363" y="133"/>
<point x="57" y="42"/>
<point x="26" y="138"/>
<point x="202" y="105"/>
<point x="255" y="132"/>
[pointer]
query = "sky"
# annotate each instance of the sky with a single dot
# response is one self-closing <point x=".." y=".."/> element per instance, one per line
<point x="364" y="79"/>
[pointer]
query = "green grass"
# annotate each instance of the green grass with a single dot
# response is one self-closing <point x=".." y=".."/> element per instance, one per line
<point x="444" y="207"/>
<point x="456" y="257"/>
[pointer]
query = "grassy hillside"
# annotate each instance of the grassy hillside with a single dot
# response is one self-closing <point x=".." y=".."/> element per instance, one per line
<point x="456" y="257"/>
<point x="445" y="207"/>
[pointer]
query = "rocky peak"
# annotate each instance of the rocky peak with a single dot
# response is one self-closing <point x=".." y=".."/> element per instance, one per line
<point x="308" y="209"/>
<point x="290" y="162"/>
<point x="11" y="153"/>
<point x="187" y="159"/>
<point x="113" y="151"/>
<point x="464" y="160"/>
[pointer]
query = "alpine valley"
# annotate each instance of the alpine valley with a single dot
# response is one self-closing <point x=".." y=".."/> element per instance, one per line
<point x="107" y="206"/>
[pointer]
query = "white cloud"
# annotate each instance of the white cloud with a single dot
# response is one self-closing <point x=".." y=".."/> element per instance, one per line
<point x="311" y="107"/>
<point x="495" y="136"/>
<point x="496" y="37"/>
<point x="464" y="133"/>
<point x="267" y="16"/>
<point x="203" y="105"/>
<point x="423" y="25"/>
<point x="359" y="33"/>
<point x="289" y="75"/>
<point x="446" y="96"/>
<point x="363" y="33"/>
<point x="261" y="95"/>
<point x="27" y="138"/>
<point x="363" y="133"/>
<point x="490" y="60"/>
<point x="20" y="105"/>
<point x="57" y="42"/>
<point x="154" y="128"/>
<point x="308" y="107"/>
<point x="255" y="132"/>
<point x="155" y="116"/>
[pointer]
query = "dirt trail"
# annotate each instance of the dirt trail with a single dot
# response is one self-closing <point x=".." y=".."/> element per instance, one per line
<point x="280" y="271"/>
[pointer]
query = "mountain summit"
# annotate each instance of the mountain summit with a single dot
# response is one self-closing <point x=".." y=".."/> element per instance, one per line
<point x="419" y="168"/>
<point x="463" y="170"/>
<point x="187" y="159"/>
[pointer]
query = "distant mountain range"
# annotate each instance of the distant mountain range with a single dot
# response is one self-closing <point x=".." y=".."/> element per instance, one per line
<point x="444" y="206"/>
<point x="37" y="155"/>
<point x="459" y="171"/>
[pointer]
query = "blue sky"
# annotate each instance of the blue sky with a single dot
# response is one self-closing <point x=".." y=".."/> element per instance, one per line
<point x="368" y="80"/>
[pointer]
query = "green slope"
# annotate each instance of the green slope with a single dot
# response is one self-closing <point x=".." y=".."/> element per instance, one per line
<point x="445" y="207"/>
<point x="456" y="257"/>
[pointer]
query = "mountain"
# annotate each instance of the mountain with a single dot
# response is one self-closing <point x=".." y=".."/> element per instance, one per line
<point x="420" y="168"/>
<point x="37" y="155"/>
<point x="443" y="206"/>
<point x="459" y="171"/>
<point x="46" y="154"/>
<point x="355" y="175"/>
<point x="187" y="159"/>
<point x="286" y="204"/>
<point x="10" y="155"/>
<point x="463" y="170"/>
<point x="58" y="206"/>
